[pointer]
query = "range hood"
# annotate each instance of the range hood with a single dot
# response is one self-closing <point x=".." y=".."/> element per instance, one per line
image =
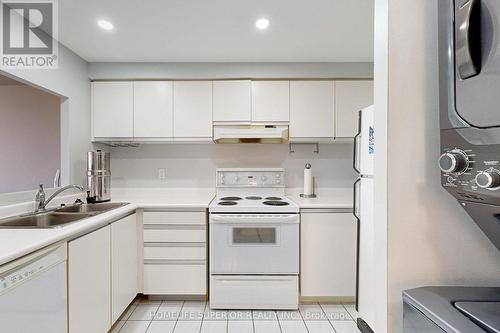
<point x="251" y="133"/>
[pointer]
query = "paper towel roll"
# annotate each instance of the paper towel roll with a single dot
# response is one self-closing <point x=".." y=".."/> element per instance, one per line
<point x="308" y="180"/>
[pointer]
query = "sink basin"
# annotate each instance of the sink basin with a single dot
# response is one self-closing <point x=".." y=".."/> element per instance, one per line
<point x="58" y="217"/>
<point x="92" y="208"/>
<point x="43" y="220"/>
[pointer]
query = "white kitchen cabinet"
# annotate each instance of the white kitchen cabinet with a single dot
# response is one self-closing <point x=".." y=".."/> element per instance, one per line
<point x="153" y="105"/>
<point x="350" y="97"/>
<point x="232" y="101"/>
<point x="89" y="287"/>
<point x="192" y="110"/>
<point x="312" y="110"/>
<point x="175" y="252"/>
<point x="328" y="254"/>
<point x="124" y="264"/>
<point x="112" y="109"/>
<point x="270" y="101"/>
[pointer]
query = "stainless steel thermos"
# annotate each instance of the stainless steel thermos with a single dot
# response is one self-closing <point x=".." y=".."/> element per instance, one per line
<point x="98" y="176"/>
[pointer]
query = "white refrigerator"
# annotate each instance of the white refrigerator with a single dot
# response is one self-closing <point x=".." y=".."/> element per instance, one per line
<point x="364" y="152"/>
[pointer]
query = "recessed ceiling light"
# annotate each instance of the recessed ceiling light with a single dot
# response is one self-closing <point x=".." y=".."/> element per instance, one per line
<point x="105" y="25"/>
<point x="262" y="23"/>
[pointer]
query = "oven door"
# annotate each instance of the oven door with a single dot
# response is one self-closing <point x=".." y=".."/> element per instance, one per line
<point x="254" y="244"/>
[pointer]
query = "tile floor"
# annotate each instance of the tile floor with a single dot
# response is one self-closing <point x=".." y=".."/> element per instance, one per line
<point x="144" y="316"/>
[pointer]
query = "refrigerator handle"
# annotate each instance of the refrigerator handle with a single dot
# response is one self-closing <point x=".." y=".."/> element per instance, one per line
<point x="356" y="144"/>
<point x="355" y="199"/>
<point x="468" y="39"/>
<point x="358" y="233"/>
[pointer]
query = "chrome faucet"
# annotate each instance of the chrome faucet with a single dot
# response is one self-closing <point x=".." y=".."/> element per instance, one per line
<point x="41" y="203"/>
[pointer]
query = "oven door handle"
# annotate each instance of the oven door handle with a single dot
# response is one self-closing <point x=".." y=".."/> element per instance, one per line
<point x="253" y="218"/>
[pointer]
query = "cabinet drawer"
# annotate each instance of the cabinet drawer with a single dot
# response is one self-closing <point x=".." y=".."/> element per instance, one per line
<point x="175" y="218"/>
<point x="176" y="234"/>
<point x="175" y="279"/>
<point x="254" y="292"/>
<point x="172" y="252"/>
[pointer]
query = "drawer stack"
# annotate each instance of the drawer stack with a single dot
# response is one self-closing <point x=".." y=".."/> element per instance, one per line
<point x="175" y="253"/>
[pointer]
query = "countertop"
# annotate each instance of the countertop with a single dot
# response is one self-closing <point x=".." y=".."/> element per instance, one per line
<point x="15" y="243"/>
<point x="327" y="198"/>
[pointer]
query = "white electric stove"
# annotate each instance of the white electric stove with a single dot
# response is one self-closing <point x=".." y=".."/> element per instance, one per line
<point x="254" y="241"/>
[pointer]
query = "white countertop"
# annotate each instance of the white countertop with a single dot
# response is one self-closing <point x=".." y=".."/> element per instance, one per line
<point x="15" y="243"/>
<point x="157" y="198"/>
<point x="327" y="198"/>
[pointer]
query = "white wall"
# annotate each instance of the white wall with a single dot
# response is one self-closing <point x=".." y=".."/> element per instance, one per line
<point x="30" y="138"/>
<point x="190" y="70"/>
<point x="431" y="240"/>
<point x="380" y="166"/>
<point x="194" y="165"/>
<point x="70" y="81"/>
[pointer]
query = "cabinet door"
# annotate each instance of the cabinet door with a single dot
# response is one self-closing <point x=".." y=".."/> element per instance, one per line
<point x="124" y="263"/>
<point x="112" y="109"/>
<point x="193" y="109"/>
<point x="350" y="97"/>
<point x="311" y="109"/>
<point x="153" y="109"/>
<point x="89" y="287"/>
<point x="232" y="100"/>
<point x="328" y="254"/>
<point x="270" y="101"/>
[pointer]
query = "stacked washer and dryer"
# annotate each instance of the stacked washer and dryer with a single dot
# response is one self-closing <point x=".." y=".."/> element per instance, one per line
<point x="469" y="91"/>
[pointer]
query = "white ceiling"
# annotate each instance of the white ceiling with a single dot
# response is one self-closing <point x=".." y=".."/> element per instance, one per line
<point x="219" y="30"/>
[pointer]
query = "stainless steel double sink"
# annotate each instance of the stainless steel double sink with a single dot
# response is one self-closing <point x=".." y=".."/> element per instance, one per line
<point x="59" y="216"/>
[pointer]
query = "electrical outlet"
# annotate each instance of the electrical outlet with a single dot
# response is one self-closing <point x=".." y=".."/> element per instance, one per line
<point x="162" y="174"/>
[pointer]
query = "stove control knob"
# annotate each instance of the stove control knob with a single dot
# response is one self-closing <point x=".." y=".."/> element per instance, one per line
<point x="236" y="179"/>
<point x="278" y="181"/>
<point x="455" y="161"/>
<point x="488" y="179"/>
<point x="263" y="178"/>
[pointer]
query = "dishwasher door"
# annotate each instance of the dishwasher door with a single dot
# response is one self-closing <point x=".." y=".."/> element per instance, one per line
<point x="33" y="293"/>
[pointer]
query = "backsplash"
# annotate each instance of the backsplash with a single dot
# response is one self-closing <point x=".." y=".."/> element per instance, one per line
<point x="193" y="165"/>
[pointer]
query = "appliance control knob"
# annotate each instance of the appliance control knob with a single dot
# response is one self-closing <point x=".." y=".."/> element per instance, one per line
<point x="236" y="179"/>
<point x="455" y="161"/>
<point x="488" y="179"/>
<point x="278" y="181"/>
<point x="264" y="178"/>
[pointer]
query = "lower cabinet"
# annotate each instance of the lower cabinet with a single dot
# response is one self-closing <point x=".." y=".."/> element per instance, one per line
<point x="175" y="253"/>
<point x="124" y="262"/>
<point x="328" y="254"/>
<point x="102" y="276"/>
<point x="89" y="287"/>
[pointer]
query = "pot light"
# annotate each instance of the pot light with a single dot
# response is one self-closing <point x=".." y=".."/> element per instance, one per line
<point x="262" y="23"/>
<point x="105" y="25"/>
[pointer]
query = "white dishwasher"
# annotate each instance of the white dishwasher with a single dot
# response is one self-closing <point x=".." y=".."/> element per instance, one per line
<point x="33" y="292"/>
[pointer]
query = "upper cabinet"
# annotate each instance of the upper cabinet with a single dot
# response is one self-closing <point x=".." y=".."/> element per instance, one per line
<point x="270" y="101"/>
<point x="193" y="110"/>
<point x="312" y="110"/>
<point x="113" y="111"/>
<point x="153" y="109"/>
<point x="232" y="101"/>
<point x="350" y="97"/>
<point x="186" y="111"/>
